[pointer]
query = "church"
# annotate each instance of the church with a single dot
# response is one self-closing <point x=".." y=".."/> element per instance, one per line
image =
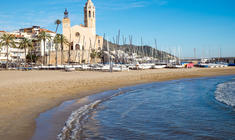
<point x="83" y="38"/>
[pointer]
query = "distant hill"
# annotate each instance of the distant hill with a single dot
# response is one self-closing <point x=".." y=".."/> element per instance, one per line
<point x="144" y="51"/>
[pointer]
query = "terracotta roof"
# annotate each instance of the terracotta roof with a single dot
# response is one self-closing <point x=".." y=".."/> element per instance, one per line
<point x="2" y="31"/>
<point x="40" y="29"/>
<point x="45" y="30"/>
<point x="18" y="36"/>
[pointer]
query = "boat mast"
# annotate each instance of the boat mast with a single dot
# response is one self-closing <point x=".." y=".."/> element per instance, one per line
<point x="132" y="47"/>
<point x="109" y="57"/>
<point x="155" y="40"/>
<point x="142" y="54"/>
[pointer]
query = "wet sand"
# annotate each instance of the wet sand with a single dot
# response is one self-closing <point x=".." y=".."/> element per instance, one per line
<point x="24" y="95"/>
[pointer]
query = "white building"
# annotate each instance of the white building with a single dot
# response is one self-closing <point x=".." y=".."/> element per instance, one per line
<point x="33" y="32"/>
<point x="16" y="55"/>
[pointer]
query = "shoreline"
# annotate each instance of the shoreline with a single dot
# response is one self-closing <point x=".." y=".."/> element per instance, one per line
<point x="24" y="95"/>
<point x="51" y="122"/>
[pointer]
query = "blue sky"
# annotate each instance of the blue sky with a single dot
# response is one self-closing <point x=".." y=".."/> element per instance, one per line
<point x="206" y="25"/>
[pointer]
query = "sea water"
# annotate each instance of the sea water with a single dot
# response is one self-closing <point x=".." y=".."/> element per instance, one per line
<point x="201" y="108"/>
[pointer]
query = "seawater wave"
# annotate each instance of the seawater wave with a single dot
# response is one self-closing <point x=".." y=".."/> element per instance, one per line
<point x="178" y="109"/>
<point x="73" y="125"/>
<point x="225" y="93"/>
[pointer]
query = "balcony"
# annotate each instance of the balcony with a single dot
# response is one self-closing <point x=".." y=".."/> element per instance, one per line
<point x="3" y="58"/>
<point x="16" y="55"/>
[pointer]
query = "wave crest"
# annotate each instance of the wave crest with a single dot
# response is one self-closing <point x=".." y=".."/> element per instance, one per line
<point x="73" y="125"/>
<point x="225" y="93"/>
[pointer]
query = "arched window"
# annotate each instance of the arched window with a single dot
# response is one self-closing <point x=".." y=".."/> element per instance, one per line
<point x="71" y="46"/>
<point x="77" y="34"/>
<point x="77" y="47"/>
<point x="89" y="13"/>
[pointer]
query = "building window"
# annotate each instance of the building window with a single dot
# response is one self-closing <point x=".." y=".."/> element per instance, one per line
<point x="71" y="47"/>
<point x="77" y="47"/>
<point x="99" y="41"/>
<point x="89" y="13"/>
<point x="77" y="34"/>
<point x="93" y="14"/>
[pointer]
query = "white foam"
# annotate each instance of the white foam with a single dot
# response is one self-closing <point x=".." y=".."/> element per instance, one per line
<point x="225" y="93"/>
<point x="74" y="123"/>
<point x="73" y="126"/>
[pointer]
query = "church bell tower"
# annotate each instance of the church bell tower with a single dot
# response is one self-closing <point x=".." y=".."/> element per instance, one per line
<point x="89" y="13"/>
<point x="66" y="25"/>
<point x="66" y="20"/>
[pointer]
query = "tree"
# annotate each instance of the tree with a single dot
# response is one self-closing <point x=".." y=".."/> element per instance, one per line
<point x="100" y="55"/>
<point x="57" y="42"/>
<point x="25" y="44"/>
<point x="93" y="54"/>
<point x="33" y="57"/>
<point x="57" y="22"/>
<point x="7" y="40"/>
<point x="43" y="36"/>
<point x="60" y="39"/>
<point x="57" y="38"/>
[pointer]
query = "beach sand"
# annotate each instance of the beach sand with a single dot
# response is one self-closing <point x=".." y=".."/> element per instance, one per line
<point x="24" y="95"/>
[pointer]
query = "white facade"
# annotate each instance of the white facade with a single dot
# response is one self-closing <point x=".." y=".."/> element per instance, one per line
<point x="83" y="37"/>
<point x="16" y="54"/>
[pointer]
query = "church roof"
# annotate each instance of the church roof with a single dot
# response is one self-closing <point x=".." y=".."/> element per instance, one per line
<point x="89" y="3"/>
<point x="66" y="13"/>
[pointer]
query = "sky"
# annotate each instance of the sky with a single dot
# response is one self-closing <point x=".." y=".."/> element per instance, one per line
<point x="206" y="25"/>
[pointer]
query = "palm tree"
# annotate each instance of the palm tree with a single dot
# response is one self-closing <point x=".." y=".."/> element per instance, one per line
<point x="56" y="39"/>
<point x="32" y="49"/>
<point x="25" y="44"/>
<point x="60" y="39"/>
<point x="93" y="55"/>
<point x="57" y="22"/>
<point x="43" y="36"/>
<point x="7" y="40"/>
<point x="57" y="42"/>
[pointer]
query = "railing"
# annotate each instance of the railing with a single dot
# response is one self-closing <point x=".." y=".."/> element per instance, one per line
<point x="3" y="58"/>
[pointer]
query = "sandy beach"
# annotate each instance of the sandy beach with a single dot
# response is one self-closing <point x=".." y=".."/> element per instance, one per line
<point x="24" y="95"/>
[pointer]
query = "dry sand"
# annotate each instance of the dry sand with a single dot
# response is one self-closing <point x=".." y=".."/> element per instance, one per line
<point x="24" y="95"/>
